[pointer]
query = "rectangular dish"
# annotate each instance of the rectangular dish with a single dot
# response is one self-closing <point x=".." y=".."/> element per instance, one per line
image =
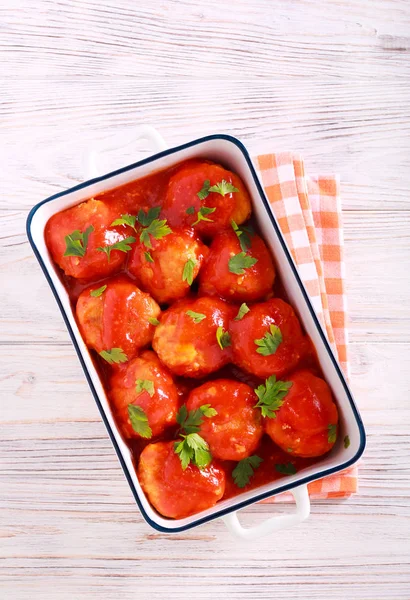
<point x="231" y="153"/>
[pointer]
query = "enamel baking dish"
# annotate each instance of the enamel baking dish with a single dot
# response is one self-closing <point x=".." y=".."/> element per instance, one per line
<point x="232" y="154"/>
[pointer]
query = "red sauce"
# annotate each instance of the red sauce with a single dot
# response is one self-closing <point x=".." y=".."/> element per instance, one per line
<point x="193" y="371"/>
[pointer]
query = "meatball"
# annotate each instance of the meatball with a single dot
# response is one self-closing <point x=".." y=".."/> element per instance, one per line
<point x="76" y="235"/>
<point x="235" y="432"/>
<point x="186" y="339"/>
<point x="168" y="269"/>
<point x="190" y="203"/>
<point x="232" y="273"/>
<point x="268" y="340"/>
<point x="116" y="315"/>
<point x="306" y="423"/>
<point x="147" y="384"/>
<point x="173" y="492"/>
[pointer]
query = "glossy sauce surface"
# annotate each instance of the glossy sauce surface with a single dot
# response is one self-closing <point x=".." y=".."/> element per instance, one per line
<point x="148" y="303"/>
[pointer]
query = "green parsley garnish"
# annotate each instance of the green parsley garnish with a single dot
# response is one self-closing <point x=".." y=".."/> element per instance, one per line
<point x="204" y="191"/>
<point x="190" y="210"/>
<point x="245" y="469"/>
<point x="127" y="219"/>
<point x="152" y="226"/>
<point x="331" y="433"/>
<point x="223" y="188"/>
<point x="270" y="341"/>
<point x="122" y="246"/>
<point x="96" y="293"/>
<point x="193" y="448"/>
<point x="223" y="338"/>
<point x="146" y="218"/>
<point x="139" y="421"/>
<point x="346" y="441"/>
<point x="115" y="355"/>
<point x="77" y="241"/>
<point x="146" y="385"/>
<point x="158" y="230"/>
<point x="271" y="396"/>
<point x="148" y="257"/>
<point x="201" y="215"/>
<point x="196" y="317"/>
<point x="188" y="272"/>
<point x="286" y="469"/>
<point x="238" y="263"/>
<point x="190" y="422"/>
<point x="153" y="321"/>
<point x="244" y="234"/>
<point x="243" y="310"/>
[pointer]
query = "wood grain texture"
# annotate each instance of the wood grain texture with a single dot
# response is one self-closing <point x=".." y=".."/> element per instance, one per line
<point x="328" y="79"/>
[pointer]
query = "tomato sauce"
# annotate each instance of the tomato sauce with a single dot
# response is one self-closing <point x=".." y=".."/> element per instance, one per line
<point x="154" y="278"/>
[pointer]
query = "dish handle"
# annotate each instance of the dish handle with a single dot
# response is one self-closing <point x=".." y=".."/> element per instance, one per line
<point x="276" y="523"/>
<point x="91" y="157"/>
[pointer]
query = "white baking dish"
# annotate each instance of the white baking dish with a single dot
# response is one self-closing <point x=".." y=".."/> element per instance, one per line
<point x="232" y="154"/>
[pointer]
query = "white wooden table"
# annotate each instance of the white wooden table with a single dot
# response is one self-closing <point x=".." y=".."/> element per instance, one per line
<point x="330" y="79"/>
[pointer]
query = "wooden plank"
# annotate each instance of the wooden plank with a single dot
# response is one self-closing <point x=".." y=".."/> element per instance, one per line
<point x="338" y="126"/>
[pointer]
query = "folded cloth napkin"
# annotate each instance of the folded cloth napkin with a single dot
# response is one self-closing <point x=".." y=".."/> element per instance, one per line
<point x="308" y="211"/>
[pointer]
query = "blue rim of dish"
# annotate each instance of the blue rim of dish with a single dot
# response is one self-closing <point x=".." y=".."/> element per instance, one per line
<point x="262" y="496"/>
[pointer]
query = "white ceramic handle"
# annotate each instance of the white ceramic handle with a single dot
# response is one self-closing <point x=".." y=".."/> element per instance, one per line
<point x="274" y="523"/>
<point x="91" y="157"/>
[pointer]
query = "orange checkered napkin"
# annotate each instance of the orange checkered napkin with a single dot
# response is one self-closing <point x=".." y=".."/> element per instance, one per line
<point x="308" y="211"/>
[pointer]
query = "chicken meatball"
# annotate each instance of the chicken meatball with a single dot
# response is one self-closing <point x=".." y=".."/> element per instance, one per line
<point x="205" y="196"/>
<point x="143" y="384"/>
<point x="117" y="315"/>
<point x="232" y="273"/>
<point x="81" y="240"/>
<point x="268" y="340"/>
<point x="174" y="492"/>
<point x="192" y="337"/>
<point x="306" y="422"/>
<point x="168" y="269"/>
<point x="235" y="431"/>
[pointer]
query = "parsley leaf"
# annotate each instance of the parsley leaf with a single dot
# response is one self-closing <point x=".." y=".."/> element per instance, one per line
<point x="331" y="433"/>
<point x="77" y="241"/>
<point x="245" y="469"/>
<point x="271" y="396"/>
<point x="146" y="385"/>
<point x="201" y="215"/>
<point x="270" y="341"/>
<point x="196" y="317"/>
<point x="153" y="321"/>
<point x="158" y="229"/>
<point x="148" y="257"/>
<point x="223" y="338"/>
<point x="127" y="219"/>
<point x="96" y="293"/>
<point x="346" y="441"/>
<point x="223" y="188"/>
<point x="243" y="310"/>
<point x="122" y="246"/>
<point x="244" y="234"/>
<point x="238" y="263"/>
<point x="146" y="218"/>
<point x="193" y="448"/>
<point x="188" y="272"/>
<point x="286" y="469"/>
<point x="204" y="191"/>
<point x="190" y="210"/>
<point x="139" y="421"/>
<point x="190" y="422"/>
<point x="115" y="355"/>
